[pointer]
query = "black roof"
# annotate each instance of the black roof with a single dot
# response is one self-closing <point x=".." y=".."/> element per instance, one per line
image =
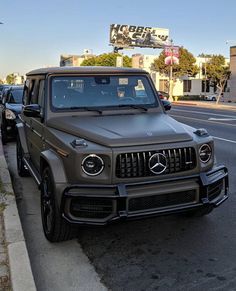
<point x="85" y="70"/>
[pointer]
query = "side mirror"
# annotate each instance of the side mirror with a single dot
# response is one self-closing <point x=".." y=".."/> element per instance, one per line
<point x="166" y="104"/>
<point x="32" y="110"/>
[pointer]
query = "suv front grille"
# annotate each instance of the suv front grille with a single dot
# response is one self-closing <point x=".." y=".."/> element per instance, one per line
<point x="164" y="200"/>
<point x="134" y="165"/>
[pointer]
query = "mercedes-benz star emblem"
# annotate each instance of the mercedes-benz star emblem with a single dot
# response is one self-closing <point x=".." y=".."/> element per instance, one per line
<point x="157" y="163"/>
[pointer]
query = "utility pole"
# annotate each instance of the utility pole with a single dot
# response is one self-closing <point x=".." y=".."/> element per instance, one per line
<point x="205" y="83"/>
<point x="171" y="74"/>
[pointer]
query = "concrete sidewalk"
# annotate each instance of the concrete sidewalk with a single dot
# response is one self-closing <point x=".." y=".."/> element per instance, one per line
<point x="15" y="268"/>
<point x="207" y="104"/>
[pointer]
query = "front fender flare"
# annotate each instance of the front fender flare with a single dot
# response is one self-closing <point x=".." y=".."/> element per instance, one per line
<point x="56" y="164"/>
<point x="22" y="136"/>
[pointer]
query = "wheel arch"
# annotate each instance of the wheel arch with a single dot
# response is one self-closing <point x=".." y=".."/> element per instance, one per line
<point x="54" y="162"/>
<point x="22" y="137"/>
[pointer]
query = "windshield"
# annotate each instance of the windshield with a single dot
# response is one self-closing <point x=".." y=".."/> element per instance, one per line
<point x="101" y="91"/>
<point x="15" y="96"/>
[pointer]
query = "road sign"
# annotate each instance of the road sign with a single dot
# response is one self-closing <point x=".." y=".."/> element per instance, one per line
<point x="171" y="60"/>
<point x="172" y="51"/>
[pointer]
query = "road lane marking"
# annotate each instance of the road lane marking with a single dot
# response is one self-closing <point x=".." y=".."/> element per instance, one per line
<point x="222" y="119"/>
<point x="224" y="139"/>
<point x="204" y="113"/>
<point x="205" y="120"/>
<point x="215" y="137"/>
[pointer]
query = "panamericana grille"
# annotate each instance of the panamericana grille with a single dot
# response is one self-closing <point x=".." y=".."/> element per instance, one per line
<point x="136" y="164"/>
<point x="163" y="200"/>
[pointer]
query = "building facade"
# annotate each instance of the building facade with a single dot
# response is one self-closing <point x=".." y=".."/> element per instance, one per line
<point x="198" y="85"/>
<point x="232" y="81"/>
<point x="75" y="60"/>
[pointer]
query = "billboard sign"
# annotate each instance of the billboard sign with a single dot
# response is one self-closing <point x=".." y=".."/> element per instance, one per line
<point x="128" y="36"/>
<point x="171" y="51"/>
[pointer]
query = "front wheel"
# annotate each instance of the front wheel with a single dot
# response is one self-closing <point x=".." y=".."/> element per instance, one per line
<point x="55" y="228"/>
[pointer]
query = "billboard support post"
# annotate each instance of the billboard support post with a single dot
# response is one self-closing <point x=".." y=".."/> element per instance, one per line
<point x="116" y="49"/>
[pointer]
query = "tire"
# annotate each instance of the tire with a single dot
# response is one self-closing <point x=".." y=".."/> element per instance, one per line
<point x="199" y="212"/>
<point x="56" y="229"/>
<point x="213" y="98"/>
<point x="21" y="169"/>
<point x="3" y="133"/>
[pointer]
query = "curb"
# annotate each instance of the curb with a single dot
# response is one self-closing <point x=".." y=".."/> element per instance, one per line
<point x="19" y="263"/>
<point x="183" y="103"/>
<point x="208" y="105"/>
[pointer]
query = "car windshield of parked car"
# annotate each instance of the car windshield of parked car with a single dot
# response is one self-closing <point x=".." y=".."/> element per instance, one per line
<point x="79" y="92"/>
<point x="15" y="96"/>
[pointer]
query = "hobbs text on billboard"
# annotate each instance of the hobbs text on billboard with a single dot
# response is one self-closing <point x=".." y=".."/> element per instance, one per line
<point x="122" y="35"/>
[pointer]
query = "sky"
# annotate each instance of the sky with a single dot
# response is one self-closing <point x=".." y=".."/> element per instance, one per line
<point x="36" y="33"/>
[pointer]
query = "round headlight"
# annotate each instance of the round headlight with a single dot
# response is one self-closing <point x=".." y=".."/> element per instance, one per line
<point x="92" y="165"/>
<point x="205" y="153"/>
<point x="10" y="114"/>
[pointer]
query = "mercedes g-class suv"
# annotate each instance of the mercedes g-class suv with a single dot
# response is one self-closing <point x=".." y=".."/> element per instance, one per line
<point x="101" y="147"/>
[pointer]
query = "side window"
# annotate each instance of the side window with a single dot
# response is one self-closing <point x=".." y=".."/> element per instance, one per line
<point x="41" y="96"/>
<point x="26" y="92"/>
<point x="33" y="94"/>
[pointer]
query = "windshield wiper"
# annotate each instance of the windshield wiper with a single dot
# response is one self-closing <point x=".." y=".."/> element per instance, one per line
<point x="86" y="108"/>
<point x="134" y="106"/>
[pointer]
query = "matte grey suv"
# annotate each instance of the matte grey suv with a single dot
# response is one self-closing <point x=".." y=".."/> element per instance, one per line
<point x="101" y="147"/>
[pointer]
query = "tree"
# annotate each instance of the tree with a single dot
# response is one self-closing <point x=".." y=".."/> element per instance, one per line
<point x="107" y="60"/>
<point x="1" y="82"/>
<point x="202" y="55"/>
<point x="89" y="62"/>
<point x="10" y="79"/>
<point x="186" y="66"/>
<point x="218" y="73"/>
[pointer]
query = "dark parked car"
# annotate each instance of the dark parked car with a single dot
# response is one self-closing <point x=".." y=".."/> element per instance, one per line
<point x="163" y="95"/>
<point x="101" y="147"/>
<point x="11" y="107"/>
<point x="3" y="88"/>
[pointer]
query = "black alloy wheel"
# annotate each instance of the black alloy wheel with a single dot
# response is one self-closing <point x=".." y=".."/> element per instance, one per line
<point x="55" y="228"/>
<point x="21" y="168"/>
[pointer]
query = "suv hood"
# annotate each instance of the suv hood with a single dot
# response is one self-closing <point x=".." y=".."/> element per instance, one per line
<point x="123" y="130"/>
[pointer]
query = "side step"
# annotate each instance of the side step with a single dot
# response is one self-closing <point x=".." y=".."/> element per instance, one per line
<point x="33" y="172"/>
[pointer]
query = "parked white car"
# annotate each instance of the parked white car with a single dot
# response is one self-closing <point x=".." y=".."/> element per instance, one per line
<point x="212" y="97"/>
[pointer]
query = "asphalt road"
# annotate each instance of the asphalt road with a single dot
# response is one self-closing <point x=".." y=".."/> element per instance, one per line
<point x="164" y="253"/>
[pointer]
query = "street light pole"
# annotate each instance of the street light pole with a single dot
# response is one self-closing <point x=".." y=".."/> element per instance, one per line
<point x="205" y="83"/>
<point x="171" y="74"/>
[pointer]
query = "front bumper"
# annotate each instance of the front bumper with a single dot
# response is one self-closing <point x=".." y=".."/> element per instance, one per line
<point x="102" y="204"/>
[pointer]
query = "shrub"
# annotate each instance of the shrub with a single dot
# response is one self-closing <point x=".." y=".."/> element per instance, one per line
<point x="190" y="98"/>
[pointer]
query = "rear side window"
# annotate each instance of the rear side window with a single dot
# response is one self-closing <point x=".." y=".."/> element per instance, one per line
<point x="31" y="92"/>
